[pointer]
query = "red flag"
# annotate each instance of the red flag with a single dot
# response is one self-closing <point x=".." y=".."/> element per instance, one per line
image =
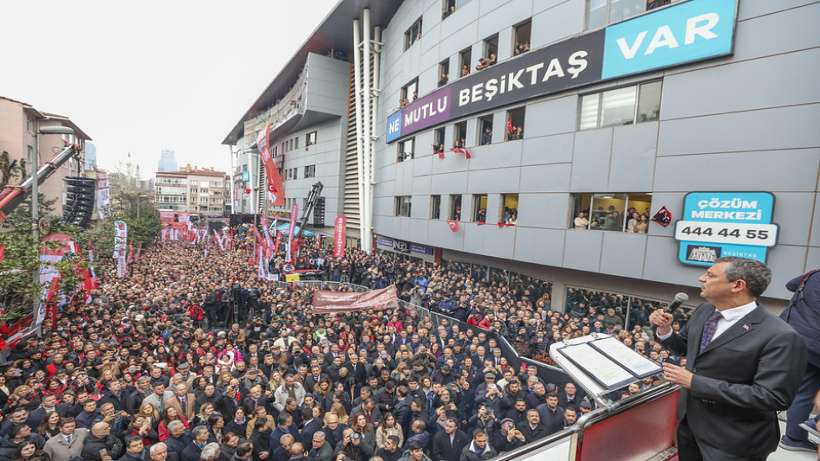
<point x="339" y="236"/>
<point x="438" y="150"/>
<point x="461" y="150"/>
<point x="276" y="187"/>
<point x="278" y="242"/>
<point x="453" y="225"/>
<point x="2" y="253"/>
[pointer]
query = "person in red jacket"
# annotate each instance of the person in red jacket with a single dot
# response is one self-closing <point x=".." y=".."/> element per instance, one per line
<point x="197" y="314"/>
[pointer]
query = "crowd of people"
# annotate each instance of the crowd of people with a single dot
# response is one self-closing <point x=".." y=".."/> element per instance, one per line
<point x="191" y="357"/>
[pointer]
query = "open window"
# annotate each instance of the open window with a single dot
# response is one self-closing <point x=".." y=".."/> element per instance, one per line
<point x="310" y="138"/>
<point x="460" y="134"/>
<point x="455" y="207"/>
<point x="435" y="206"/>
<point x="443" y="72"/>
<point x="480" y="208"/>
<point x="412" y="34"/>
<point x="515" y="124"/>
<point x="403" y="205"/>
<point x="490" y="54"/>
<point x="485" y="130"/>
<point x="438" y="140"/>
<point x="509" y="209"/>
<point x="409" y="92"/>
<point x="521" y="34"/>
<point x="406" y="149"/>
<point x="465" y="61"/>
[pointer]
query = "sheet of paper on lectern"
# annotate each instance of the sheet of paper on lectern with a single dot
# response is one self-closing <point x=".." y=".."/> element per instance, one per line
<point x="639" y="365"/>
<point x="597" y="365"/>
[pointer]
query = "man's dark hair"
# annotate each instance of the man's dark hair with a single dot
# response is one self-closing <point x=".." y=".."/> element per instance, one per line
<point x="756" y="274"/>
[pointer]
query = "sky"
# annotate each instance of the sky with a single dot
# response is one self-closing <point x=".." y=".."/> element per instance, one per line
<point x="144" y="76"/>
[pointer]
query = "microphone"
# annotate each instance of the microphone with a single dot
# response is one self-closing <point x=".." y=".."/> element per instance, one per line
<point x="680" y="298"/>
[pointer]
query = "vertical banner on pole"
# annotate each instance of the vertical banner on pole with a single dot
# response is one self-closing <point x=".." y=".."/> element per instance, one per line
<point x="339" y="237"/>
<point x="294" y="211"/>
<point x="120" y="246"/>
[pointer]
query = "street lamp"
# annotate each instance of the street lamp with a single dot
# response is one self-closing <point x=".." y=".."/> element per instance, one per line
<point x="35" y="199"/>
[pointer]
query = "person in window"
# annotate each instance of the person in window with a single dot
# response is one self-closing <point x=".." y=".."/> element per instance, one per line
<point x="643" y="225"/>
<point x="632" y="222"/>
<point x="481" y="216"/>
<point x="521" y="47"/>
<point x="465" y="70"/>
<point x="581" y="221"/>
<point x="443" y="79"/>
<point x="487" y="135"/>
<point x="491" y="59"/>
<point x="482" y="64"/>
<point x="513" y="219"/>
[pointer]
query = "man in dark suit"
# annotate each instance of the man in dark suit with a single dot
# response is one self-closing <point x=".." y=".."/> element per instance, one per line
<point x="742" y="366"/>
<point x="448" y="444"/>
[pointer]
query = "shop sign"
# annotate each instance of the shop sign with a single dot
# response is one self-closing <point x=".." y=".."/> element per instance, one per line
<point x="401" y="246"/>
<point x="681" y="33"/>
<point x="720" y="224"/>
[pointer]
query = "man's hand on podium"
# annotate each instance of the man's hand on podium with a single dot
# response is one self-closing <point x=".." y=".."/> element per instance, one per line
<point x="662" y="320"/>
<point x="678" y="375"/>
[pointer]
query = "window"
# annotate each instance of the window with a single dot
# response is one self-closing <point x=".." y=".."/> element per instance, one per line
<point x="310" y="138"/>
<point x="438" y="140"/>
<point x="621" y="106"/>
<point x="490" y="55"/>
<point x="459" y="134"/>
<point x="521" y="34"/>
<point x="485" y="130"/>
<point x="480" y="208"/>
<point x="295" y="143"/>
<point x="603" y="12"/>
<point x="515" y="124"/>
<point x="406" y="149"/>
<point x="465" y="61"/>
<point x="310" y="171"/>
<point x="455" y="208"/>
<point x="509" y="209"/>
<point x="449" y="7"/>
<point x="409" y="92"/>
<point x="435" y="207"/>
<point x="443" y="72"/>
<point x="412" y="34"/>
<point x="625" y="212"/>
<point x="403" y="205"/>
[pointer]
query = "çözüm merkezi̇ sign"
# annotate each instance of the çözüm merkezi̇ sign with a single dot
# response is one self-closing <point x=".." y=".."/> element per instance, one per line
<point x="685" y="32"/>
<point x="720" y="224"/>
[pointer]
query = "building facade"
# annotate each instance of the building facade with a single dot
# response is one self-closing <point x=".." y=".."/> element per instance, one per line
<point x="167" y="160"/>
<point x="192" y="190"/>
<point x="602" y="145"/>
<point x="19" y="122"/>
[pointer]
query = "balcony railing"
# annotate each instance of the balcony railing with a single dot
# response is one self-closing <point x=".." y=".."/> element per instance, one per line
<point x="291" y="104"/>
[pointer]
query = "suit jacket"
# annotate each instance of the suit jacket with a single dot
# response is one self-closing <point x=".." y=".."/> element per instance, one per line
<point x="742" y="378"/>
<point x="190" y="405"/>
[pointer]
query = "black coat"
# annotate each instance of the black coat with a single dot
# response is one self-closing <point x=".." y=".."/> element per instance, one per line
<point x="803" y="313"/>
<point x="532" y="434"/>
<point x="93" y="445"/>
<point x="446" y="451"/>
<point x="190" y="453"/>
<point x="742" y="378"/>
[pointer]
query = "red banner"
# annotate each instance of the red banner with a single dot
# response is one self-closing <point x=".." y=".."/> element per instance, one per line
<point x="340" y="237"/>
<point x="326" y="302"/>
<point x="276" y="187"/>
<point x="453" y="225"/>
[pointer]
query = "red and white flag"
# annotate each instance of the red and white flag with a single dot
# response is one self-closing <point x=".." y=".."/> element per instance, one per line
<point x="453" y="225"/>
<point x="276" y="187"/>
<point x="339" y="237"/>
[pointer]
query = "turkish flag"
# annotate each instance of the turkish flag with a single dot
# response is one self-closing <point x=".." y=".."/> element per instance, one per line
<point x="453" y="225"/>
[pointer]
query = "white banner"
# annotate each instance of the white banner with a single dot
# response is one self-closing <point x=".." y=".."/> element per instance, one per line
<point x="103" y="196"/>
<point x="120" y="246"/>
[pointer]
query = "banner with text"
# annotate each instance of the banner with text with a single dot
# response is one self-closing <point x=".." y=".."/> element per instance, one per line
<point x="340" y="237"/>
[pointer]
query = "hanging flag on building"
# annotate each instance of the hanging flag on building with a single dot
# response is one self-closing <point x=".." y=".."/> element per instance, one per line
<point x="120" y="246"/>
<point x="663" y="217"/>
<point x="453" y="225"/>
<point x="276" y="187"/>
<point x="461" y="150"/>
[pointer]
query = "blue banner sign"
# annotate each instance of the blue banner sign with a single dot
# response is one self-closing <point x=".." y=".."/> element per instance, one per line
<point x="720" y="224"/>
<point x="681" y="33"/>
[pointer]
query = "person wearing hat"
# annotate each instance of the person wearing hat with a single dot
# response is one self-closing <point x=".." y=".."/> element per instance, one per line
<point x="415" y="452"/>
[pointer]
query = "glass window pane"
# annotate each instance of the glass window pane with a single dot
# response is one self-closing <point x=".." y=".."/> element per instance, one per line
<point x="649" y="101"/>
<point x="618" y="106"/>
<point x="589" y="111"/>
<point x="608" y="212"/>
<point x="622" y="9"/>
<point x="597" y="13"/>
<point x="581" y="217"/>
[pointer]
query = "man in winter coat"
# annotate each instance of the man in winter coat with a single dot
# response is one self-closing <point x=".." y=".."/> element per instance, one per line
<point x="478" y="449"/>
<point x="99" y="439"/>
<point x="68" y="443"/>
